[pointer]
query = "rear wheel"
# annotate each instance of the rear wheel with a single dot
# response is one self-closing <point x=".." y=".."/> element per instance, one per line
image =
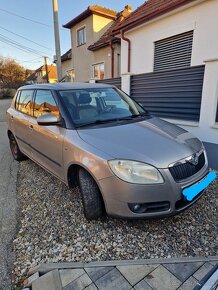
<point x="91" y="196"/>
<point x="15" y="150"/>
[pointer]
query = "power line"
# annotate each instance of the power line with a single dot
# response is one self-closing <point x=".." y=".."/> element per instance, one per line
<point x="25" y="18"/>
<point x="30" y="60"/>
<point x="25" y="38"/>
<point x="20" y="46"/>
<point x="28" y="19"/>
<point x="9" y="40"/>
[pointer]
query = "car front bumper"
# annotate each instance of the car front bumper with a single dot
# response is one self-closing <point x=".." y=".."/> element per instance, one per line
<point x="159" y="199"/>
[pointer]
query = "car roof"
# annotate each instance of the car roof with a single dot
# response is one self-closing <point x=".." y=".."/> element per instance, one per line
<point x="65" y="86"/>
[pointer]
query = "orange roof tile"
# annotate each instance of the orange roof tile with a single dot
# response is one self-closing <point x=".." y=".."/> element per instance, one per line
<point x="148" y="11"/>
<point x="94" y="9"/>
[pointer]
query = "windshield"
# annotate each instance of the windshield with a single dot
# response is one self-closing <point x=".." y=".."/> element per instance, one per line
<point x="100" y="105"/>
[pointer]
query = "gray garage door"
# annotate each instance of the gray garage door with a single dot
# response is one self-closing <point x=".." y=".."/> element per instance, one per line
<point x="172" y="93"/>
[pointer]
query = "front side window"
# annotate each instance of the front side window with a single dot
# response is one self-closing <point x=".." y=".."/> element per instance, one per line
<point x="45" y="104"/>
<point x="98" y="71"/>
<point x="81" y="36"/>
<point x="24" y="103"/>
<point x="100" y="105"/>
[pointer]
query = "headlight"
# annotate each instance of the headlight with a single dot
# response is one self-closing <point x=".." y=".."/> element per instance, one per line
<point x="135" y="172"/>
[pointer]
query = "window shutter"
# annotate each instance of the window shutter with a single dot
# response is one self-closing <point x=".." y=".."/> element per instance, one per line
<point x="173" y="52"/>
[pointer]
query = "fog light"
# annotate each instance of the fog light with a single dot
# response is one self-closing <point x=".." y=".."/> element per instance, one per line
<point x="136" y="207"/>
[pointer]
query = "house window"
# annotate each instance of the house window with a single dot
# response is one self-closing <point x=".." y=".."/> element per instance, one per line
<point x="81" y="36"/>
<point x="173" y="52"/>
<point x="98" y="71"/>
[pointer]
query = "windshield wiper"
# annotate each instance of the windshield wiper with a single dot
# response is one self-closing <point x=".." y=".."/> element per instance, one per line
<point x="145" y="114"/>
<point x="100" y="121"/>
<point x="97" y="122"/>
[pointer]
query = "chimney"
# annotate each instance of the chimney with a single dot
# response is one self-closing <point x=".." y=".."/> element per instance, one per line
<point x="128" y="8"/>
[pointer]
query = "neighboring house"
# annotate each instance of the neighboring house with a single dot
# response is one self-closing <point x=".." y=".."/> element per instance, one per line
<point x="170" y="62"/>
<point x="95" y="53"/>
<point x="39" y="75"/>
<point x="67" y="67"/>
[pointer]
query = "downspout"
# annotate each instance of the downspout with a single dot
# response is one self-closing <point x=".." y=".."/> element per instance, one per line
<point x="112" y="59"/>
<point x="129" y="49"/>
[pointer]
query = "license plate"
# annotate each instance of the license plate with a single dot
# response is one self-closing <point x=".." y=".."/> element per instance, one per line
<point x="193" y="190"/>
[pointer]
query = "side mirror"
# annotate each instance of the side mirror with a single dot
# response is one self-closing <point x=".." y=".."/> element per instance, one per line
<point x="48" y="120"/>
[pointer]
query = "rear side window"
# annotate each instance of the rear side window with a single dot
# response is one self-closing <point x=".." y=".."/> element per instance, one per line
<point x="24" y="102"/>
<point x="45" y="104"/>
<point x="16" y="103"/>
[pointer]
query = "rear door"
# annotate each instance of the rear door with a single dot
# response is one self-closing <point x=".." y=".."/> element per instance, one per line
<point x="20" y="118"/>
<point x="47" y="141"/>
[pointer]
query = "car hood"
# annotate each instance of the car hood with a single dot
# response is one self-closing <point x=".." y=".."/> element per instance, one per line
<point x="153" y="141"/>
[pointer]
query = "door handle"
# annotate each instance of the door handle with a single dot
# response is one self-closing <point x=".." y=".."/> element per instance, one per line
<point x="31" y="127"/>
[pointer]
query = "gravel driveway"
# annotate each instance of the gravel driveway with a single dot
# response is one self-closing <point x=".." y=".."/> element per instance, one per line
<point x="54" y="229"/>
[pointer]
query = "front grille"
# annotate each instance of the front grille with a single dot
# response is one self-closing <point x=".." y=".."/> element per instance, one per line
<point x="185" y="170"/>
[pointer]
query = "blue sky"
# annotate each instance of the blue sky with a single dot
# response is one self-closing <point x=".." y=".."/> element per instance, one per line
<point x="41" y="11"/>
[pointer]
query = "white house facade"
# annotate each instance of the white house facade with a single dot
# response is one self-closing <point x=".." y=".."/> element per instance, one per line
<point x="169" y="63"/>
<point x="183" y="37"/>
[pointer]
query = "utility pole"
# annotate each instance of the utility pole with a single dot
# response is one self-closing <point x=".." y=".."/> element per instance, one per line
<point x="57" y="39"/>
<point x="46" y="69"/>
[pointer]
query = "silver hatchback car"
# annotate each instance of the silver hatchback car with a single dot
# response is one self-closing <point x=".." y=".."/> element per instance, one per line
<point x="125" y="161"/>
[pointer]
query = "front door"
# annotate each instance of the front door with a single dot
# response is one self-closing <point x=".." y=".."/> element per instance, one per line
<point x="21" y="116"/>
<point x="47" y="141"/>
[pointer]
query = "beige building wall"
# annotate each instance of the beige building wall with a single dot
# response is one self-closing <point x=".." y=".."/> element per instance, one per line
<point x="82" y="58"/>
<point x="103" y="55"/>
<point x="66" y="66"/>
<point x="100" y="26"/>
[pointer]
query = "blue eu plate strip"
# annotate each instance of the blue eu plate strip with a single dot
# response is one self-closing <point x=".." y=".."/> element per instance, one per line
<point x="192" y="191"/>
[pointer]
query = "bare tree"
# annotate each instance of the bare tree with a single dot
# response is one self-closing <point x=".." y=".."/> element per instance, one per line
<point x="12" y="75"/>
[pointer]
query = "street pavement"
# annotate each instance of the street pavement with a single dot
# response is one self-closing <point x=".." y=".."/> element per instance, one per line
<point x="8" y="204"/>
<point x="153" y="274"/>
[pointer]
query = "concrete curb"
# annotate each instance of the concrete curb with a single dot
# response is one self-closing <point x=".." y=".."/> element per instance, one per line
<point x="44" y="268"/>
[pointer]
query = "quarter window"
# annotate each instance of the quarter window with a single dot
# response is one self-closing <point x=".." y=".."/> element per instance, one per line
<point x="81" y="36"/>
<point x="98" y="71"/>
<point x="45" y="104"/>
<point x="24" y="103"/>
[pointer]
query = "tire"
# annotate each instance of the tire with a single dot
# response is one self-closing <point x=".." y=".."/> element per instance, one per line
<point x="15" y="150"/>
<point x="93" y="204"/>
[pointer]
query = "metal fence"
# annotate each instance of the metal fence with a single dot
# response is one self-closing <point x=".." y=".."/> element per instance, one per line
<point x="115" y="81"/>
<point x="172" y="93"/>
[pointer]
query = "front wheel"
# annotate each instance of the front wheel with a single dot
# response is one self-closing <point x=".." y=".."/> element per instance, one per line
<point x="91" y="196"/>
<point x="15" y="150"/>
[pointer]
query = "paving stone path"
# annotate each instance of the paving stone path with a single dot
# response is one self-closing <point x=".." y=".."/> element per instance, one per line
<point x="160" y="274"/>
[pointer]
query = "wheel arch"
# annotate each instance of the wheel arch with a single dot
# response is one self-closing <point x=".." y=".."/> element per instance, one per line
<point x="72" y="172"/>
